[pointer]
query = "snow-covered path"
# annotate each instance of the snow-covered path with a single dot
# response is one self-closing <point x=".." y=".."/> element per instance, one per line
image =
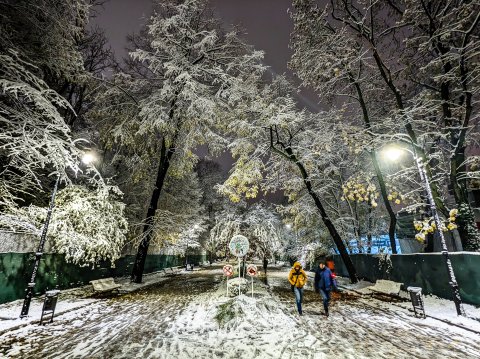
<point x="189" y="317"/>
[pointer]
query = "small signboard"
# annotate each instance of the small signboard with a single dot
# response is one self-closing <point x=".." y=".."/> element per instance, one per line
<point x="239" y="245"/>
<point x="228" y="270"/>
<point x="252" y="270"/>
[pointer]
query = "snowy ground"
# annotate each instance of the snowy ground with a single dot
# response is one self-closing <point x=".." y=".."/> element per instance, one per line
<point x="189" y="316"/>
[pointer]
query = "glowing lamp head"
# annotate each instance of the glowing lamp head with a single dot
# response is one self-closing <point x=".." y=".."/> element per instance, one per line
<point x="288" y="226"/>
<point x="392" y="153"/>
<point x="88" y="158"/>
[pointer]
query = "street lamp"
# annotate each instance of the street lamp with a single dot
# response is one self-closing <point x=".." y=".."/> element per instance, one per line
<point x="393" y="153"/>
<point x="87" y="158"/>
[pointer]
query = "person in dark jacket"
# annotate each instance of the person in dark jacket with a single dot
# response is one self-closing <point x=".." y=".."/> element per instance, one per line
<point x="323" y="284"/>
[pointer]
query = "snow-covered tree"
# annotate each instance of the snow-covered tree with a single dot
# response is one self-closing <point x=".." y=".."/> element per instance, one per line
<point x="326" y="59"/>
<point x="87" y="226"/>
<point x="44" y="53"/>
<point x="45" y="33"/>
<point x="180" y="217"/>
<point x="280" y="147"/>
<point x="411" y="74"/>
<point x="265" y="230"/>
<point x="194" y="70"/>
<point x="38" y="43"/>
<point x="259" y="223"/>
<point x="34" y="135"/>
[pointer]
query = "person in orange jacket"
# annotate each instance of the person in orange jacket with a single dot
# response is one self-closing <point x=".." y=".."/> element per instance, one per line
<point x="297" y="278"/>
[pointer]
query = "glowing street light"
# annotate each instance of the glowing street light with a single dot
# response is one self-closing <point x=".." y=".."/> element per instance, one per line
<point x="393" y="153"/>
<point x="89" y="158"/>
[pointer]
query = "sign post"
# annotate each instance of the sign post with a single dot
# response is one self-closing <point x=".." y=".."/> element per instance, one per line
<point x="239" y="247"/>
<point x="252" y="271"/>
<point x="228" y="271"/>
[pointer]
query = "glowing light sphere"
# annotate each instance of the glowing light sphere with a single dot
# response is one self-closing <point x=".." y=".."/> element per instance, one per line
<point x="392" y="153"/>
<point x="88" y="158"/>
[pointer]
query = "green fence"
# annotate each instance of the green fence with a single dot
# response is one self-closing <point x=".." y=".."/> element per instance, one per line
<point x="425" y="270"/>
<point x="54" y="272"/>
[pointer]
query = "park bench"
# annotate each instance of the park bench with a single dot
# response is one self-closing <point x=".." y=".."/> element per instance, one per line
<point x="386" y="288"/>
<point x="177" y="270"/>
<point x="104" y="285"/>
<point x="172" y="270"/>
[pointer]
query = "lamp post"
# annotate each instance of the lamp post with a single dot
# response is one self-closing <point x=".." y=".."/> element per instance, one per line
<point x="87" y="159"/>
<point x="38" y="254"/>
<point x="394" y="153"/>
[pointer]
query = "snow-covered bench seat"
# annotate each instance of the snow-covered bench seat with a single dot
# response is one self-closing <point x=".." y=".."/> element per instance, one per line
<point x="172" y="270"/>
<point x="386" y="287"/>
<point x="104" y="285"/>
<point x="177" y="269"/>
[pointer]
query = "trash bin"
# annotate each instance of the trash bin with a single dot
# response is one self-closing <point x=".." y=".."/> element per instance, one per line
<point x="49" y="305"/>
<point x="417" y="301"/>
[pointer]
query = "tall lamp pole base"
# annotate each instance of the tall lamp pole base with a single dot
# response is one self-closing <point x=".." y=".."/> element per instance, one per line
<point x="38" y="254"/>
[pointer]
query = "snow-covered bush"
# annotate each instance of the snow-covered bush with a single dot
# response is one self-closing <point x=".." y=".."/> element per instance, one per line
<point x="88" y="226"/>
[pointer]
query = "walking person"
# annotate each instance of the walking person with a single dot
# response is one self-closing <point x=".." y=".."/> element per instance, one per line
<point x="323" y="284"/>
<point x="297" y="278"/>
<point x="265" y="264"/>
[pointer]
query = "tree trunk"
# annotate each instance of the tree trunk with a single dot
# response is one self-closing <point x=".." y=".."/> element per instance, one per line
<point x="139" y="264"/>
<point x="467" y="229"/>
<point x="288" y="153"/>
<point x="333" y="232"/>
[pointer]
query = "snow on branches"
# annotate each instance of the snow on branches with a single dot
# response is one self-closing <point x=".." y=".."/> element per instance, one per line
<point x="34" y="134"/>
<point x="409" y="72"/>
<point x="180" y="217"/>
<point x="259" y="223"/>
<point x="87" y="226"/>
